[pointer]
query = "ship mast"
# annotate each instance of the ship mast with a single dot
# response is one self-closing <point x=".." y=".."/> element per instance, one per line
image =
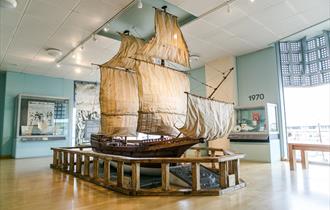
<point x="162" y="102"/>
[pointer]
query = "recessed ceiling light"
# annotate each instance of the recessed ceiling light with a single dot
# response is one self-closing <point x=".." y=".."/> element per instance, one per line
<point x="252" y="1"/>
<point x="53" y="52"/>
<point x="73" y="55"/>
<point x="77" y="70"/>
<point x="58" y="65"/>
<point x="78" y="57"/>
<point x="10" y="4"/>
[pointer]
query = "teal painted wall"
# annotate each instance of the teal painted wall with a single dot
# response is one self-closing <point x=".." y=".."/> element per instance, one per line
<point x="257" y="73"/>
<point x="17" y="83"/>
<point x="2" y="101"/>
<point x="195" y="86"/>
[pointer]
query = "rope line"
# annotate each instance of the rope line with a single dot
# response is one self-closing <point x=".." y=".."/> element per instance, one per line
<point x="200" y="82"/>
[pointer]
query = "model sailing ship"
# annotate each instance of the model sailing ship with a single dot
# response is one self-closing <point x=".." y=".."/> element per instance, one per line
<point x="142" y="90"/>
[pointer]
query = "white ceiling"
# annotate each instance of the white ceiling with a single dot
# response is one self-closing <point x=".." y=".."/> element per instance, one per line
<point x="35" y="25"/>
<point x="249" y="26"/>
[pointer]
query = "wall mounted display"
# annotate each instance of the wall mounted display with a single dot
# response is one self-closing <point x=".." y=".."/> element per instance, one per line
<point x="257" y="123"/>
<point x="87" y="106"/>
<point x="42" y="118"/>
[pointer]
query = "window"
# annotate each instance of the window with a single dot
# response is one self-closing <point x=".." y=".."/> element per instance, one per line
<point x="305" y="62"/>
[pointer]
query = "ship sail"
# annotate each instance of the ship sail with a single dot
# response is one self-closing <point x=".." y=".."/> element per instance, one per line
<point x="118" y="91"/>
<point x="168" y="43"/>
<point x="162" y="102"/>
<point x="206" y="118"/>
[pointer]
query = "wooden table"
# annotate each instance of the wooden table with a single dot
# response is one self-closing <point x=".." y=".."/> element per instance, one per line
<point x="303" y="151"/>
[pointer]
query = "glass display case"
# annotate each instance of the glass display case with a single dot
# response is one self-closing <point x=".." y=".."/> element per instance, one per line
<point x="41" y="118"/>
<point x="257" y="123"/>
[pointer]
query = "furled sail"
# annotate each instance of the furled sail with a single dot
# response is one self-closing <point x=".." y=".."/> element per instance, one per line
<point x="207" y="119"/>
<point x="168" y="43"/>
<point x="162" y="100"/>
<point x="118" y="91"/>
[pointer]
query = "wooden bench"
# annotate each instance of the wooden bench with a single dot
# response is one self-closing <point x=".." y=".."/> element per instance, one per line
<point x="303" y="151"/>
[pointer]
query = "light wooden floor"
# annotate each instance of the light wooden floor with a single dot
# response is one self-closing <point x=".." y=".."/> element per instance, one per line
<point x="31" y="184"/>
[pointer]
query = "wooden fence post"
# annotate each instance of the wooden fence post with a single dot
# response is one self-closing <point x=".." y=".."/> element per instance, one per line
<point x="95" y="167"/>
<point x="195" y="169"/>
<point x="136" y="176"/>
<point x="230" y="167"/>
<point x="86" y="165"/>
<point x="120" y="174"/>
<point x="60" y="160"/>
<point x="65" y="161"/>
<point x="165" y="176"/>
<point x="54" y="159"/>
<point x="223" y="174"/>
<point x="213" y="155"/>
<point x="78" y="164"/>
<point x="236" y="170"/>
<point x="106" y="172"/>
<point x="71" y="163"/>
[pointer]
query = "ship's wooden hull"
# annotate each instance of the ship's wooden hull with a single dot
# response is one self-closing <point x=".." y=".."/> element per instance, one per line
<point x="173" y="147"/>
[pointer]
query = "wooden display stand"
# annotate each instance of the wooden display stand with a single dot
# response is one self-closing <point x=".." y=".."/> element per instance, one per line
<point x="303" y="151"/>
<point x="83" y="163"/>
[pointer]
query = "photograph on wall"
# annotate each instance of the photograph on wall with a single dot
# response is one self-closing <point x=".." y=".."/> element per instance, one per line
<point x="87" y="110"/>
<point x="40" y="115"/>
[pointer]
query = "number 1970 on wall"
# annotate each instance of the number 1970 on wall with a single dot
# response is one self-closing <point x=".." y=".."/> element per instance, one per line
<point x="256" y="97"/>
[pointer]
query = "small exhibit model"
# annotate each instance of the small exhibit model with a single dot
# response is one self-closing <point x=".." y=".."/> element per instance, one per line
<point x="144" y="90"/>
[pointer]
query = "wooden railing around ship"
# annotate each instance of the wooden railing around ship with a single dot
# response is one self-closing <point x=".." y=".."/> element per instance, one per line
<point x="83" y="163"/>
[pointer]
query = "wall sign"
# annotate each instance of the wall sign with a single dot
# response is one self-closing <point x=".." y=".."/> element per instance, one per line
<point x="256" y="97"/>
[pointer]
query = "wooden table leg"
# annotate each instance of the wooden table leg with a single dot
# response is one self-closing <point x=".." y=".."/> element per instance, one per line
<point x="304" y="159"/>
<point x="292" y="157"/>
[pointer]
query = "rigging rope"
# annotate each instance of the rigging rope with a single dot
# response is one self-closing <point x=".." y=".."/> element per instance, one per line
<point x="200" y="81"/>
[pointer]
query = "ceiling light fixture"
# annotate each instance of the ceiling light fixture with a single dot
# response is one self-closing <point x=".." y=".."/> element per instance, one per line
<point x="252" y="1"/>
<point x="53" y="52"/>
<point x="193" y="58"/>
<point x="73" y="55"/>
<point x="139" y="4"/>
<point x="9" y="4"/>
<point x="58" y="65"/>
